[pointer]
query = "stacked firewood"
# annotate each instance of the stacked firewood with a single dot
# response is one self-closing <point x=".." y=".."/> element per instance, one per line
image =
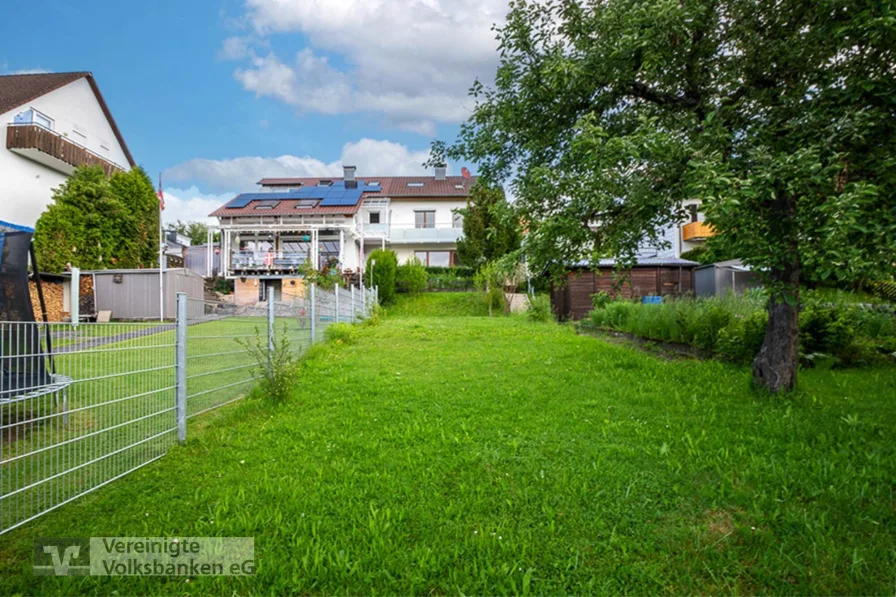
<point x="53" y="297"/>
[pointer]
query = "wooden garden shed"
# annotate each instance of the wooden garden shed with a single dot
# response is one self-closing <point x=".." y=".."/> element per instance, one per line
<point x="651" y="276"/>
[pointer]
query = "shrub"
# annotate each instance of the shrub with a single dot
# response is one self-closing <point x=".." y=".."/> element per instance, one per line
<point x="491" y="284"/>
<point x="340" y="333"/>
<point x="383" y="274"/>
<point x="600" y="299"/>
<point x="742" y="338"/>
<point x="539" y="309"/>
<point x="411" y="276"/>
<point x="276" y="370"/>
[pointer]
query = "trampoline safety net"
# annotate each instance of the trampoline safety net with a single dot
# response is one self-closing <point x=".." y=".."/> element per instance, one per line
<point x="23" y="364"/>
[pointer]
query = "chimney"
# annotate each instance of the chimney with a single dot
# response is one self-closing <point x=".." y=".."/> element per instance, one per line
<point x="441" y="172"/>
<point x="348" y="173"/>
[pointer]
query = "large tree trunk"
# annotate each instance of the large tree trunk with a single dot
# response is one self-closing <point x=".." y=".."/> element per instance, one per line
<point x="776" y="364"/>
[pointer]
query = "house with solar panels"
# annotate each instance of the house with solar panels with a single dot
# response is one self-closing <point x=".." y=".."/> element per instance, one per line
<point x="268" y="236"/>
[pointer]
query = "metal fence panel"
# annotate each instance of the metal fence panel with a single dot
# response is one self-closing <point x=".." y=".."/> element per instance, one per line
<point x="106" y="410"/>
<point x="82" y="405"/>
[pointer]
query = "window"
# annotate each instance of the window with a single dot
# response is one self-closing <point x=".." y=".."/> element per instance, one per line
<point x="415" y="185"/>
<point x="41" y="119"/>
<point x="267" y="204"/>
<point x="306" y="203"/>
<point x="457" y="220"/>
<point x="434" y="258"/>
<point x="425" y="219"/>
<point x="440" y="258"/>
<point x="692" y="210"/>
<point x="324" y="183"/>
<point x="373" y="217"/>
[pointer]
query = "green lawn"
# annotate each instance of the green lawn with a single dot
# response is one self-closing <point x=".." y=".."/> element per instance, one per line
<point x="483" y="456"/>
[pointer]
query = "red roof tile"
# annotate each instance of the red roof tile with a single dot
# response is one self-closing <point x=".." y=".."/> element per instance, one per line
<point x="392" y="186"/>
<point x="18" y="90"/>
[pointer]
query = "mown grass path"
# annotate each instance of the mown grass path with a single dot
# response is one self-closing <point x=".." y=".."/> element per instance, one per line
<point x="483" y="456"/>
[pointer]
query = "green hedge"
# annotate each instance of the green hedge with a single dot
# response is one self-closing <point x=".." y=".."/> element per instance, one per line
<point x="460" y="271"/>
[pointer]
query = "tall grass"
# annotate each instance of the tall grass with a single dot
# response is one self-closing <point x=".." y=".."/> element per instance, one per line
<point x="733" y="327"/>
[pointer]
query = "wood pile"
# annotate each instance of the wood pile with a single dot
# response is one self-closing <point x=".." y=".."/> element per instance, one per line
<point x="53" y="297"/>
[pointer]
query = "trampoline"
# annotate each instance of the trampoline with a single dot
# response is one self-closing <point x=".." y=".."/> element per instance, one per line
<point x="27" y="370"/>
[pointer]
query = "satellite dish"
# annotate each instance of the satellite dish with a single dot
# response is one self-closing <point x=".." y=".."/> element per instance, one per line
<point x="465" y="173"/>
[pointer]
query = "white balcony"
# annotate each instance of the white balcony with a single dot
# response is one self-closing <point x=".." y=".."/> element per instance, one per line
<point x="262" y="262"/>
<point x="409" y="235"/>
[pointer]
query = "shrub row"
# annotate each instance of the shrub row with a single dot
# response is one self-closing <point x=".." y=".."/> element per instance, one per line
<point x="734" y="327"/>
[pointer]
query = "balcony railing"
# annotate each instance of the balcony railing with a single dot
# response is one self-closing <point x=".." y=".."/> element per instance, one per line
<point x="266" y="261"/>
<point x="407" y="235"/>
<point x="25" y="138"/>
<point x="696" y="231"/>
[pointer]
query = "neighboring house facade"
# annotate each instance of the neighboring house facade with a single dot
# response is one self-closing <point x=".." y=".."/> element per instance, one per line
<point x="268" y="236"/>
<point x="682" y="237"/>
<point x="176" y="245"/>
<point x="53" y="123"/>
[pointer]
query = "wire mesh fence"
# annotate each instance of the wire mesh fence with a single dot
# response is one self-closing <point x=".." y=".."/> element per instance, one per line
<point x="82" y="405"/>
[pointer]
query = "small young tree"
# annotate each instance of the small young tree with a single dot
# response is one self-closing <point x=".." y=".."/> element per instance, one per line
<point x="382" y="274"/>
<point x="777" y="114"/>
<point x="491" y="229"/>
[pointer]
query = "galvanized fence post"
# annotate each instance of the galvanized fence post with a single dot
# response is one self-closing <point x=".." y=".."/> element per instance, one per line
<point x="313" y="314"/>
<point x="336" y="292"/>
<point x="271" y="326"/>
<point x="353" y="303"/>
<point x="180" y="381"/>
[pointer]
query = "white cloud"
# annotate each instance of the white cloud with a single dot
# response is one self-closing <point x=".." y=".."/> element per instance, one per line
<point x="234" y="48"/>
<point x="410" y="60"/>
<point x="191" y="204"/>
<point x="372" y="158"/>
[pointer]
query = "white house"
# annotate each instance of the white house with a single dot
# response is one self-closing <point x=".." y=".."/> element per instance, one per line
<point x="53" y="123"/>
<point x="268" y="236"/>
<point x="682" y="237"/>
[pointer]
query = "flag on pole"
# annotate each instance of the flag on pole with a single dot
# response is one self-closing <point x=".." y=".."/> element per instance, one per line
<point x="161" y="195"/>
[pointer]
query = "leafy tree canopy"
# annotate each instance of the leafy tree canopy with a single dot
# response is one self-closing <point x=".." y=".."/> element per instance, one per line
<point x="197" y="232"/>
<point x="490" y="227"/>
<point x="97" y="222"/>
<point x="779" y="114"/>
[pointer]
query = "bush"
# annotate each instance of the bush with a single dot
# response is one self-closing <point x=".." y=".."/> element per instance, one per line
<point x="340" y="333"/>
<point x="411" y="277"/>
<point x="491" y="284"/>
<point x="383" y="274"/>
<point x="601" y="299"/>
<point x="275" y="370"/>
<point x="539" y="309"/>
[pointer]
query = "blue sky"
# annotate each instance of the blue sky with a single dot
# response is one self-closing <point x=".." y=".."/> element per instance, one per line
<point x="216" y="94"/>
